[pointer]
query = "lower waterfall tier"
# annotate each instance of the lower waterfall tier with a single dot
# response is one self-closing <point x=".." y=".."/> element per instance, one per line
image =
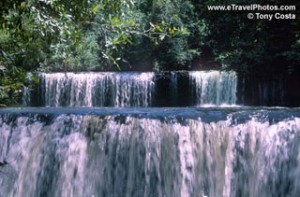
<point x="150" y="152"/>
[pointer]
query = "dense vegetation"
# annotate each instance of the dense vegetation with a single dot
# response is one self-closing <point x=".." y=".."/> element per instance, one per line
<point x="62" y="35"/>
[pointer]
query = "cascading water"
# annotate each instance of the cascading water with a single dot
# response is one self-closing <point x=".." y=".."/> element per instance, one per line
<point x="214" y="87"/>
<point x="174" y="83"/>
<point x="26" y="91"/>
<point x="150" y="152"/>
<point x="98" y="89"/>
<point x="129" y="89"/>
<point x="76" y="147"/>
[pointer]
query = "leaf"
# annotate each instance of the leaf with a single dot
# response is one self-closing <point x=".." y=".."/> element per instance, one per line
<point x="159" y="28"/>
<point x="22" y="6"/>
<point x="116" y="41"/>
<point x="95" y="9"/>
<point x="2" y="68"/>
<point x="162" y="36"/>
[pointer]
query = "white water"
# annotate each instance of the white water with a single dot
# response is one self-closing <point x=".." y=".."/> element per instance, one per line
<point x="161" y="152"/>
<point x="26" y="91"/>
<point x="98" y="89"/>
<point x="129" y="89"/>
<point x="83" y="155"/>
<point x="214" y="87"/>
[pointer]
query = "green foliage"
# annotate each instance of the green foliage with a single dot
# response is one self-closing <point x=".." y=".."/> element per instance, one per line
<point x="165" y="43"/>
<point x="97" y="34"/>
<point x="11" y="85"/>
<point x="123" y="33"/>
<point x="258" y="47"/>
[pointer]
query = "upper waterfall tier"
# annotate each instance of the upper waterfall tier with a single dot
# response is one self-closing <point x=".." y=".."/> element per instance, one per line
<point x="98" y="89"/>
<point x="133" y="89"/>
<point x="214" y="87"/>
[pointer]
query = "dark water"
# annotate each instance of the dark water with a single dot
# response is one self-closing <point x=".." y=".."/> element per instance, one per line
<point x="116" y="152"/>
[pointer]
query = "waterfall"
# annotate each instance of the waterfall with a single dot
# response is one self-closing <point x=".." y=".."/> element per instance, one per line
<point x="26" y="100"/>
<point x="74" y="147"/>
<point x="133" y="89"/>
<point x="98" y="89"/>
<point x="214" y="87"/>
<point x="174" y="83"/>
<point x="149" y="152"/>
